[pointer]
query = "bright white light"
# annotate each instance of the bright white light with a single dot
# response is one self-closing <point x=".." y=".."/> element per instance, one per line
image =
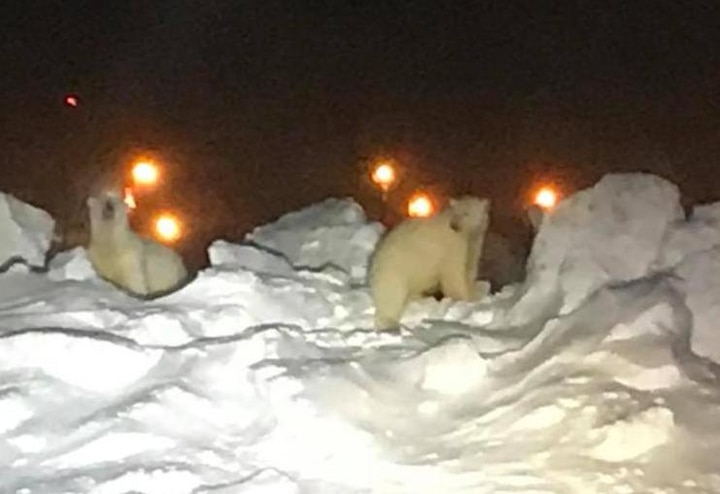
<point x="546" y="198"/>
<point x="384" y="175"/>
<point x="168" y="228"/>
<point x="420" y="206"/>
<point x="145" y="173"/>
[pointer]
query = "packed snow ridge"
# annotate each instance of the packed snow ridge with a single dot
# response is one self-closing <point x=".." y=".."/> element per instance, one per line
<point x="598" y="374"/>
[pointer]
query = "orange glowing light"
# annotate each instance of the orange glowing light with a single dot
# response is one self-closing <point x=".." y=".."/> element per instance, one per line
<point x="129" y="199"/>
<point x="420" y="206"/>
<point x="546" y="198"/>
<point x="384" y="176"/>
<point x="145" y="173"/>
<point x="168" y="228"/>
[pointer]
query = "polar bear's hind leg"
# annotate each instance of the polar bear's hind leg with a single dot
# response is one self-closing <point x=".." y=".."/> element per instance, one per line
<point x="454" y="282"/>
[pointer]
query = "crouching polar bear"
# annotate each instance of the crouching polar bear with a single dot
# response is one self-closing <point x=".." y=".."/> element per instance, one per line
<point x="422" y="254"/>
<point x="138" y="265"/>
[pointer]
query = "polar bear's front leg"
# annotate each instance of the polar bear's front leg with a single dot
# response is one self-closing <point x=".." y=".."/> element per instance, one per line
<point x="478" y="289"/>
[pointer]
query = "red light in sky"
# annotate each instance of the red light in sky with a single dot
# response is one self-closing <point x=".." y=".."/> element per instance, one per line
<point x="72" y="100"/>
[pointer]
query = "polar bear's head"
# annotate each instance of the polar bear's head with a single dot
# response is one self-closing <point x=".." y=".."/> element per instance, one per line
<point x="469" y="214"/>
<point x="107" y="210"/>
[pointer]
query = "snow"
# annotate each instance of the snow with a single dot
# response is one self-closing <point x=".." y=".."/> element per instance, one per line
<point x="26" y="232"/>
<point x="598" y="374"/>
<point x="72" y="264"/>
<point x="610" y="232"/>
<point x="333" y="233"/>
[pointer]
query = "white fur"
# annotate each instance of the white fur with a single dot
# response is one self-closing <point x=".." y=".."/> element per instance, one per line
<point x="139" y="265"/>
<point x="423" y="254"/>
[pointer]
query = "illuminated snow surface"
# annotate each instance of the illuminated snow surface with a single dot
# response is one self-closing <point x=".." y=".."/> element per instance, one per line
<point x="262" y="375"/>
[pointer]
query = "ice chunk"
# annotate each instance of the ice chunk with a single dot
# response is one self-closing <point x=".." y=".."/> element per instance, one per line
<point x="25" y="232"/>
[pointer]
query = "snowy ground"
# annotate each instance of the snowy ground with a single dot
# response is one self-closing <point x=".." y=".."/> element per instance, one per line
<point x="598" y="375"/>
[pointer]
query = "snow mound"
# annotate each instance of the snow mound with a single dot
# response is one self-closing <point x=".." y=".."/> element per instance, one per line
<point x="227" y="255"/>
<point x="332" y="234"/>
<point x="691" y="252"/>
<point x="700" y="282"/>
<point x="71" y="264"/>
<point x="701" y="232"/>
<point x="25" y="232"/>
<point x="625" y="228"/>
<point x="612" y="232"/>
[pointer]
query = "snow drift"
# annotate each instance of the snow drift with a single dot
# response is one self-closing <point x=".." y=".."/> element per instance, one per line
<point x="26" y="232"/>
<point x="598" y="374"/>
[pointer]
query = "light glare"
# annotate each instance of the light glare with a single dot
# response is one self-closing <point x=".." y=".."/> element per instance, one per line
<point x="129" y="199"/>
<point x="420" y="206"/>
<point x="145" y="173"/>
<point x="546" y="198"/>
<point x="72" y="100"/>
<point x="383" y="175"/>
<point x="167" y="227"/>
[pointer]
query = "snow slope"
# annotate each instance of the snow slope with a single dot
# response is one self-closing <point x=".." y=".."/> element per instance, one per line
<point x="598" y="375"/>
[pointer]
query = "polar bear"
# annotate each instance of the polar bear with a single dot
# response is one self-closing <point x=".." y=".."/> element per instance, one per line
<point x="422" y="254"/>
<point x="139" y="265"/>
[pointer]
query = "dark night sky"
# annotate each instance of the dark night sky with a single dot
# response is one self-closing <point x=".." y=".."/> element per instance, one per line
<point x="264" y="106"/>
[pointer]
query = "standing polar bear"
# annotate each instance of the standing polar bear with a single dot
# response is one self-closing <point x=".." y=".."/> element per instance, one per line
<point x="139" y="265"/>
<point x="421" y="254"/>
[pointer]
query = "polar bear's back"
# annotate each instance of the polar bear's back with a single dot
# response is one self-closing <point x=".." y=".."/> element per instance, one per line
<point x="139" y="265"/>
<point x="164" y="268"/>
<point x="105" y="261"/>
<point x="415" y="249"/>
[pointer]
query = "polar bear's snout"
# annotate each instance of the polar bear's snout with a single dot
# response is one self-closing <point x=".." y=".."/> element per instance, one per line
<point x="108" y="210"/>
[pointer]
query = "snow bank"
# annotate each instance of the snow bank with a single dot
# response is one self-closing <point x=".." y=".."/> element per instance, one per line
<point x="331" y="234"/>
<point x="625" y="228"/>
<point x="228" y="255"/>
<point x="699" y="280"/>
<point x="701" y="232"/>
<point x="691" y="252"/>
<point x="25" y="232"/>
<point x="612" y="232"/>
<point x="71" y="264"/>
<point x="262" y="374"/>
